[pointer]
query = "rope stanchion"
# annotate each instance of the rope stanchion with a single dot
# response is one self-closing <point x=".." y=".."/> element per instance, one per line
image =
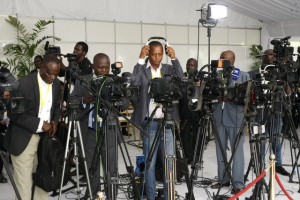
<point x="272" y="177"/>
<point x="282" y="188"/>
<point x="249" y="186"/>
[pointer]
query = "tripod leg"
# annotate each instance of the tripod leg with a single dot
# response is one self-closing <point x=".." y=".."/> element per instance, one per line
<point x="10" y="176"/>
<point x="169" y="161"/>
<point x="65" y="160"/>
<point x="197" y="159"/>
<point x="128" y="163"/>
<point x="78" y="130"/>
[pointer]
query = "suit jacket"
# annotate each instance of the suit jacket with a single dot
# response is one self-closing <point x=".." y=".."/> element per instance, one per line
<point x="231" y="115"/>
<point x="22" y="126"/>
<point x="141" y="79"/>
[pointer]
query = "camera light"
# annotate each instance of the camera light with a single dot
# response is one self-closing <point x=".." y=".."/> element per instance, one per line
<point x="118" y="65"/>
<point x="215" y="11"/>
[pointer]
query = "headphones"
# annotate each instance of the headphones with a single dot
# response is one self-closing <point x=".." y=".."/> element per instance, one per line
<point x="159" y="38"/>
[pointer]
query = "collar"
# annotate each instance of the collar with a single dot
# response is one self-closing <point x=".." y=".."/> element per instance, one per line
<point x="40" y="80"/>
<point x="149" y="65"/>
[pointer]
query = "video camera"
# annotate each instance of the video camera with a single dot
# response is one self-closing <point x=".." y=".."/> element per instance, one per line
<point x="165" y="90"/>
<point x="14" y="105"/>
<point x="285" y="69"/>
<point x="210" y="87"/>
<point x="115" y="89"/>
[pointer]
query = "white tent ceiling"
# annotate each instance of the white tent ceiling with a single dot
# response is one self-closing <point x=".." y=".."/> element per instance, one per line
<point x="280" y="17"/>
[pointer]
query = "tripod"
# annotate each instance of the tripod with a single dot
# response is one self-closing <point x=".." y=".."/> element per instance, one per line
<point x="107" y="146"/>
<point x="257" y="139"/>
<point x="10" y="176"/>
<point x="74" y="122"/>
<point x="169" y="158"/>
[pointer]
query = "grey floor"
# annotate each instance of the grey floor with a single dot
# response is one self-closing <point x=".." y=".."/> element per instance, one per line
<point x="209" y="172"/>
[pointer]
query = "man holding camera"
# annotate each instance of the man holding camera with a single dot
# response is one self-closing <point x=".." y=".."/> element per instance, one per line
<point x="91" y="126"/>
<point x="274" y="124"/>
<point x="41" y="91"/>
<point x="228" y="118"/>
<point x="189" y="120"/>
<point x="144" y="71"/>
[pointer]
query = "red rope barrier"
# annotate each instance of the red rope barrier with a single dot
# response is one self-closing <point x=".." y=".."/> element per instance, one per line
<point x="248" y="186"/>
<point x="281" y="186"/>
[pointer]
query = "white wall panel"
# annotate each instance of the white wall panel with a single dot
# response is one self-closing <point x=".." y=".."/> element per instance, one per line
<point x="108" y="49"/>
<point x="193" y="35"/>
<point x="7" y="32"/>
<point x="182" y="53"/>
<point x="237" y="36"/>
<point x="253" y="37"/>
<point x="150" y="30"/>
<point x="128" y="54"/>
<point x="128" y="33"/>
<point x="219" y="36"/>
<point x="100" y="31"/>
<point x="70" y="30"/>
<point x="177" y="34"/>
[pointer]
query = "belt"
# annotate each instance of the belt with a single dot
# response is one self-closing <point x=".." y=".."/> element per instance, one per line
<point x="154" y="119"/>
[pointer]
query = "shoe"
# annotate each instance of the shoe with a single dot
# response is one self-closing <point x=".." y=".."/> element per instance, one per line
<point x="220" y="185"/>
<point x="281" y="170"/>
<point x="235" y="190"/>
<point x="2" y="179"/>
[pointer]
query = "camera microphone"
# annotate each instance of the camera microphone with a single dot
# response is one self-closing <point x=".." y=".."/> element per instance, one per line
<point x="46" y="45"/>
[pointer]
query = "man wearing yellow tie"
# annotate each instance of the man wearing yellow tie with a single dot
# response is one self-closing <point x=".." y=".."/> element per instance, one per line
<point x="41" y="91"/>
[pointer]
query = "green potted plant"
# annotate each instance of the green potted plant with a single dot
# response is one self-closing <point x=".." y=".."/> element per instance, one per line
<point x="19" y="56"/>
<point x="255" y="53"/>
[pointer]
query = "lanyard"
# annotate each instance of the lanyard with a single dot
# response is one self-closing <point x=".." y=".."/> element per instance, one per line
<point x="43" y="98"/>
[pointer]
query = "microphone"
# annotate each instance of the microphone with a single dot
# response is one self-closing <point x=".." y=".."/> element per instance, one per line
<point x="46" y="45"/>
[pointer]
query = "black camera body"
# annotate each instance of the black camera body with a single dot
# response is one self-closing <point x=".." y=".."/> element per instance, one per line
<point x="285" y="68"/>
<point x="115" y="90"/>
<point x="165" y="90"/>
<point x="51" y="49"/>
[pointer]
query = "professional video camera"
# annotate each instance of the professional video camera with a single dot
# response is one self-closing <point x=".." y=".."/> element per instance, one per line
<point x="285" y="69"/>
<point x="115" y="89"/>
<point x="210" y="87"/>
<point x="14" y="105"/>
<point x="165" y="90"/>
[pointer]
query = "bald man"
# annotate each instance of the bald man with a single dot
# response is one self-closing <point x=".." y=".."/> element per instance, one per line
<point x="228" y="118"/>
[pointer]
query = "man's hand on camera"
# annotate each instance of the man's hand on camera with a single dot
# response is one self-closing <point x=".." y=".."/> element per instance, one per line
<point x="144" y="52"/>
<point x="170" y="52"/>
<point x="88" y="99"/>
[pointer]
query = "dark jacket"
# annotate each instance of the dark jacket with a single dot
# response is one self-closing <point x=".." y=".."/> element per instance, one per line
<point x="22" y="126"/>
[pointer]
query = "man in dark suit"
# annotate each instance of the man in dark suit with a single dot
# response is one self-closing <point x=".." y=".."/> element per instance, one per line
<point x="228" y="118"/>
<point x="143" y="72"/>
<point x="91" y="126"/>
<point x="41" y="91"/>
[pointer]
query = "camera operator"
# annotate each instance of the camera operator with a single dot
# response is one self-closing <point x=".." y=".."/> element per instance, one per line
<point x="189" y="120"/>
<point x="84" y="64"/>
<point x="88" y="123"/>
<point x="144" y="71"/>
<point x="269" y="58"/>
<point x="229" y="117"/>
<point x="41" y="91"/>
